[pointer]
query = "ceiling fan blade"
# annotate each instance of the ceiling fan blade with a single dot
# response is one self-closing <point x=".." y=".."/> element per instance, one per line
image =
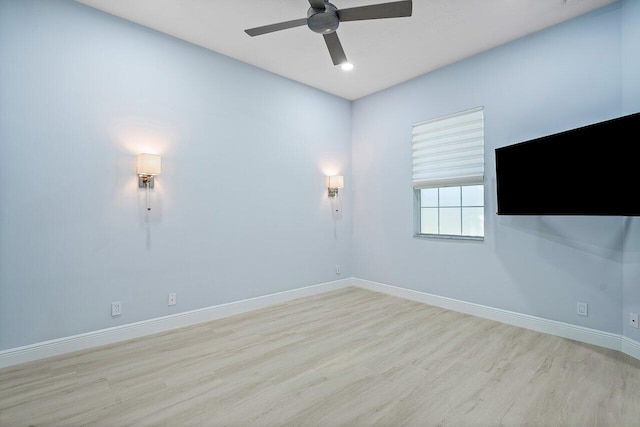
<point x="317" y="4"/>
<point x="335" y="48"/>
<point x="276" y="27"/>
<point x="395" y="9"/>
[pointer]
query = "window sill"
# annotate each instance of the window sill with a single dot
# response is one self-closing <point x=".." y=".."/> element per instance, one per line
<point x="448" y="237"/>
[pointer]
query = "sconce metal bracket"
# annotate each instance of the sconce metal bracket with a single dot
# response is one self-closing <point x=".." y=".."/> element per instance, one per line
<point x="144" y="180"/>
<point x="333" y="192"/>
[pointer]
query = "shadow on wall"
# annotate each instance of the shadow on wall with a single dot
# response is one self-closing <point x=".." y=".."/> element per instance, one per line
<point x="592" y="235"/>
<point x="601" y="236"/>
<point x="631" y="236"/>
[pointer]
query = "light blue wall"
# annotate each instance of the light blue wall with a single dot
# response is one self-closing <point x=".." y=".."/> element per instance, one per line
<point x="631" y="104"/>
<point x="561" y="78"/>
<point x="239" y="211"/>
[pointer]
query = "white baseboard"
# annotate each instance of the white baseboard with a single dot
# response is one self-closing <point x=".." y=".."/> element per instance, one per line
<point x="41" y="350"/>
<point x="552" y="327"/>
<point x="631" y="347"/>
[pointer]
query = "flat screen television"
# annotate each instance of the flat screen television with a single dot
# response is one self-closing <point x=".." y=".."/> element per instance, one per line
<point x="591" y="170"/>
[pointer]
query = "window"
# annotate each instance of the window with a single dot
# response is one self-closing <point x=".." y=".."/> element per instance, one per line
<point x="453" y="211"/>
<point x="448" y="175"/>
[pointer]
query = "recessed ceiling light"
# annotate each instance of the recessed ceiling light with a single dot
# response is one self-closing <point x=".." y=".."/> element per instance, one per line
<point x="347" y="66"/>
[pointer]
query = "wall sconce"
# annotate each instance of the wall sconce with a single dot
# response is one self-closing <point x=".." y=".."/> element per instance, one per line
<point x="148" y="167"/>
<point x="335" y="182"/>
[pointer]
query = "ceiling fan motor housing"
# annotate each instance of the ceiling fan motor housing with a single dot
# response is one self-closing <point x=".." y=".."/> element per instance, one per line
<point x="323" y="21"/>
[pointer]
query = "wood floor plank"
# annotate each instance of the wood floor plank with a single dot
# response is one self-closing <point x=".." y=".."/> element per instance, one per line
<point x="351" y="357"/>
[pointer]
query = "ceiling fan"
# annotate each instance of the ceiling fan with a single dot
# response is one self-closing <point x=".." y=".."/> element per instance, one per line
<point x="324" y="18"/>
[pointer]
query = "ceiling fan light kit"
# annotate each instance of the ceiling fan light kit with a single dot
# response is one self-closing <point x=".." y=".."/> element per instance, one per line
<point x="323" y="21"/>
<point x="325" y="18"/>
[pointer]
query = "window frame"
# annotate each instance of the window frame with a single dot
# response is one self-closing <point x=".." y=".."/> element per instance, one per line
<point x="417" y="218"/>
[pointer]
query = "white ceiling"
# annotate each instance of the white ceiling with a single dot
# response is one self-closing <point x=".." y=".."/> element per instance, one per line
<point x="384" y="51"/>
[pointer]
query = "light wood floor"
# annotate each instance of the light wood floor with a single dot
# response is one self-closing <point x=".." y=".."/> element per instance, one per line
<point x="345" y="358"/>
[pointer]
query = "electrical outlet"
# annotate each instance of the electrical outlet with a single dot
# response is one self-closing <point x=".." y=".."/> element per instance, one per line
<point x="582" y="308"/>
<point x="633" y="320"/>
<point x="172" y="299"/>
<point x="337" y="268"/>
<point x="116" y="309"/>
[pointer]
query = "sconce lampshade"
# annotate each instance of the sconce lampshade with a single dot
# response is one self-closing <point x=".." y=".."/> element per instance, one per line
<point x="336" y="181"/>
<point x="148" y="164"/>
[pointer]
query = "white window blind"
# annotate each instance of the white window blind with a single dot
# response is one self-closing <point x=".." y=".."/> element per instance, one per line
<point x="449" y="151"/>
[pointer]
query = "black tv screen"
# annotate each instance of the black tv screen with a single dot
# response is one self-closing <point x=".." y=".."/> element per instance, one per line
<point x="591" y="170"/>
